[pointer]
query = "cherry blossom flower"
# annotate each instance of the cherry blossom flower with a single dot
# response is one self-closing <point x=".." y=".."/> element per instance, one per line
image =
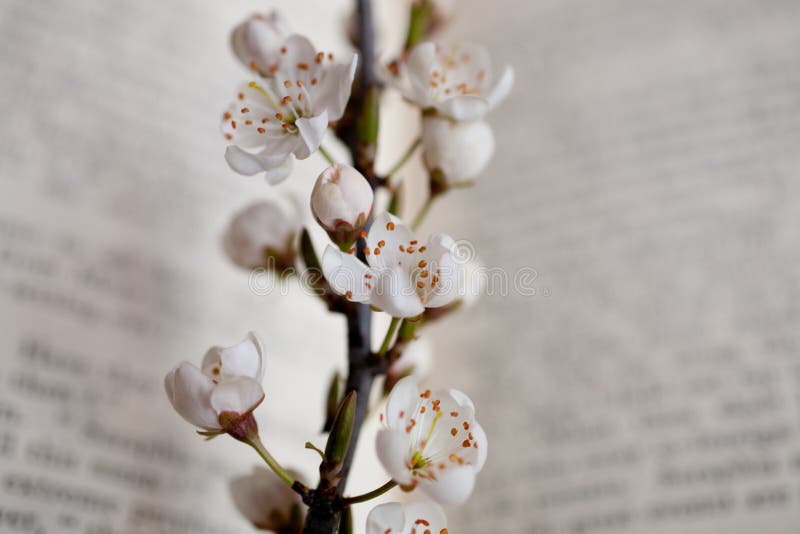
<point x="286" y="113"/>
<point x="412" y="518"/>
<point x="227" y="385"/>
<point x="266" y="501"/>
<point x="432" y="441"/>
<point x="342" y="202"/>
<point x="451" y="80"/>
<point x="459" y="150"/>
<point x="402" y="276"/>
<point x="263" y="235"/>
<point x="257" y="40"/>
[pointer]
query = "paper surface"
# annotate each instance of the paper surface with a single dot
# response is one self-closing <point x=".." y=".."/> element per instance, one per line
<point x="646" y="170"/>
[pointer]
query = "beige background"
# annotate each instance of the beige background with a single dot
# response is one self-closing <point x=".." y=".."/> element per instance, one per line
<point x="646" y="169"/>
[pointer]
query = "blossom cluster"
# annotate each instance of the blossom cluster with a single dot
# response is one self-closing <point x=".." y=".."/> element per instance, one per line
<point x="430" y="442"/>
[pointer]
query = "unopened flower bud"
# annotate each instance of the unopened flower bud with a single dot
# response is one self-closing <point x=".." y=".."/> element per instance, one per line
<point x="342" y="202"/>
<point x="459" y="150"/>
<point x="263" y="235"/>
<point x="257" y="41"/>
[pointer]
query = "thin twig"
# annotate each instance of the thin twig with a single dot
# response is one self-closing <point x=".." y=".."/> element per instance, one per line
<point x="404" y="159"/>
<point x="377" y="492"/>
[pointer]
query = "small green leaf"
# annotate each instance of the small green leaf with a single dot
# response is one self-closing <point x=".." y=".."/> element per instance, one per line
<point x="341" y="431"/>
<point x="332" y="403"/>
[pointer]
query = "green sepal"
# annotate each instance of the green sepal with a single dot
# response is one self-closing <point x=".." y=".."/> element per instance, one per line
<point x="332" y="402"/>
<point x="341" y="432"/>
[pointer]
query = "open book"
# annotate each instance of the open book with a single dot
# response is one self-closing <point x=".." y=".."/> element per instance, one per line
<point x="638" y="373"/>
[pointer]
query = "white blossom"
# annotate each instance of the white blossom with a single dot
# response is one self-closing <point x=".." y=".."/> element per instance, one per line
<point x="287" y="112"/>
<point x="402" y="276"/>
<point x="265" y="500"/>
<point x="263" y="230"/>
<point x="432" y="441"/>
<point x="453" y="80"/>
<point x="228" y="382"/>
<point x="460" y="150"/>
<point x="342" y="200"/>
<point x="413" y="518"/>
<point x="257" y="40"/>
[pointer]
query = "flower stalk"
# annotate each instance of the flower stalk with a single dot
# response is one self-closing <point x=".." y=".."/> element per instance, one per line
<point x="255" y="442"/>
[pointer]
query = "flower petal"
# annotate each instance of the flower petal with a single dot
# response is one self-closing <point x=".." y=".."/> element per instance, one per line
<point x="263" y="498"/>
<point x="189" y="391"/>
<point x="240" y="395"/>
<point x="501" y="88"/>
<point x="439" y="255"/>
<point x="392" y="448"/>
<point x="243" y="359"/>
<point x="394" y="292"/>
<point x="464" y="107"/>
<point x="430" y="512"/>
<point x="312" y="131"/>
<point x="333" y="91"/>
<point x="483" y="445"/>
<point x="389" y="517"/>
<point x="401" y="403"/>
<point x="347" y="275"/>
<point x="452" y="486"/>
<point x="248" y="164"/>
<point x="390" y="231"/>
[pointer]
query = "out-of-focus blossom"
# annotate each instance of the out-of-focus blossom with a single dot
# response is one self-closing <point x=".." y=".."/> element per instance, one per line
<point x="226" y="387"/>
<point x="263" y="235"/>
<point x="286" y="113"/>
<point x="416" y="361"/>
<point x="256" y="41"/>
<point x="267" y="502"/>
<point x="453" y="80"/>
<point x="413" y="518"/>
<point x="459" y="150"/>
<point x="432" y="441"/>
<point x="402" y="276"/>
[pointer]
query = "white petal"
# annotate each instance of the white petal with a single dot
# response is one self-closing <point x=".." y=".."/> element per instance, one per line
<point x="333" y="91"/>
<point x="401" y="403"/>
<point x="393" y="232"/>
<point x="240" y="395"/>
<point x="421" y="61"/>
<point x="346" y="274"/>
<point x="429" y="511"/>
<point x="394" y="292"/>
<point x="312" y="131"/>
<point x="462" y="399"/>
<point x="189" y="391"/>
<point x="392" y="448"/>
<point x="249" y="164"/>
<point x="464" y="107"/>
<point x="260" y="496"/>
<point x="243" y="359"/>
<point x="389" y="517"/>
<point x="501" y="88"/>
<point x="461" y="150"/>
<point x="452" y="487"/>
<point x="276" y="175"/>
<point x="483" y="445"/>
<point x="439" y="255"/>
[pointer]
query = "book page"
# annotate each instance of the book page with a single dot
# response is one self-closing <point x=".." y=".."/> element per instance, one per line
<point x="115" y="195"/>
<point x="640" y="373"/>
